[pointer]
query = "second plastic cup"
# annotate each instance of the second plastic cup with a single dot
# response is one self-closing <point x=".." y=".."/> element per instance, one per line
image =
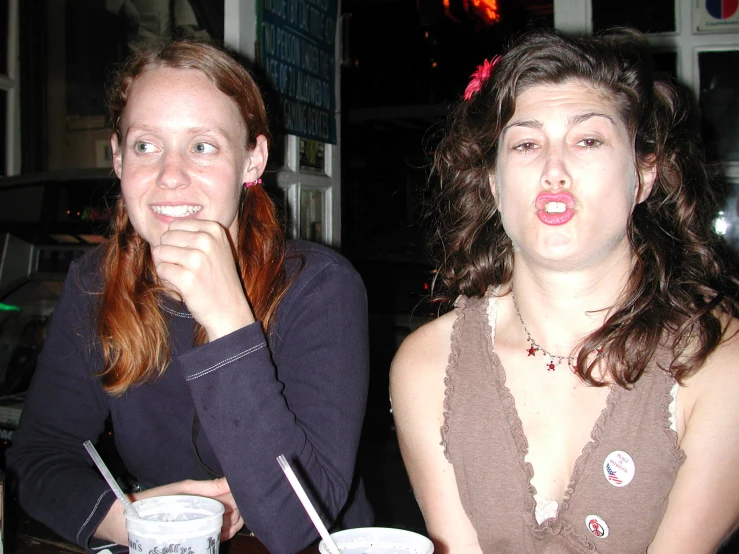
<point x="178" y="523"/>
<point x="379" y="540"/>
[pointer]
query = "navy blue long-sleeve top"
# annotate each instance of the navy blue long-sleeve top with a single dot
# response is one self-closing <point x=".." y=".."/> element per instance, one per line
<point x="299" y="391"/>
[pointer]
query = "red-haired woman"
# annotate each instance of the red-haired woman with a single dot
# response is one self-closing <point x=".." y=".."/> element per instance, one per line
<point x="212" y="344"/>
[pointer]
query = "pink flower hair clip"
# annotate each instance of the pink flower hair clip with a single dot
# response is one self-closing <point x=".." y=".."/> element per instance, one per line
<point x="478" y="78"/>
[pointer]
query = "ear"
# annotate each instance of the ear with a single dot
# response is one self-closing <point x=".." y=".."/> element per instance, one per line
<point x="117" y="154"/>
<point x="256" y="160"/>
<point x="647" y="177"/>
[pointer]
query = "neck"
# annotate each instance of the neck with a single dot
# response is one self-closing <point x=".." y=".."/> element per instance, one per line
<point x="560" y="308"/>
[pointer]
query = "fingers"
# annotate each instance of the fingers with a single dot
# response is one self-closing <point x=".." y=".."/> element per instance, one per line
<point x="190" y="249"/>
<point x="203" y="236"/>
<point x="218" y="489"/>
<point x="232" y="522"/>
<point x="191" y="243"/>
<point x="212" y="488"/>
<point x="222" y="484"/>
<point x="194" y="225"/>
<point x="196" y="260"/>
<point x="178" y="274"/>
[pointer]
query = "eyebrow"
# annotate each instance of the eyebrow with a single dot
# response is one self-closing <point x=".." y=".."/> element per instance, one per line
<point x="579" y="118"/>
<point x="206" y="130"/>
<point x="191" y="130"/>
<point x="528" y="123"/>
<point x="139" y="127"/>
<point x="573" y="120"/>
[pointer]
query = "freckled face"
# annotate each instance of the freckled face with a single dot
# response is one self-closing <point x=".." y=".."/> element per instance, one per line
<point x="183" y="152"/>
<point x="566" y="179"/>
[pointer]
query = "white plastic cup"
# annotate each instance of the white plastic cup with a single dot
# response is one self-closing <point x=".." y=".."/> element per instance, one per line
<point x="379" y="540"/>
<point x="177" y="524"/>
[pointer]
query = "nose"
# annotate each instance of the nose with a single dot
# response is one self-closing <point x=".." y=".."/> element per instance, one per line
<point x="173" y="171"/>
<point x="555" y="174"/>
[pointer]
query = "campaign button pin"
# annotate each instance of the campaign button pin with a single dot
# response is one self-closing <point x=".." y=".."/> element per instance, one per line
<point x="618" y="468"/>
<point x="596" y="526"/>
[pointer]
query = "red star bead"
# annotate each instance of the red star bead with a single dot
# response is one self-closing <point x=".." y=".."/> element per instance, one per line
<point x="550" y="366"/>
<point x="531" y="351"/>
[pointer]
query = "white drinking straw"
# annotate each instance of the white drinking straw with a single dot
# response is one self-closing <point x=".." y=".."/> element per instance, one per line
<point x="298" y="488"/>
<point x="127" y="506"/>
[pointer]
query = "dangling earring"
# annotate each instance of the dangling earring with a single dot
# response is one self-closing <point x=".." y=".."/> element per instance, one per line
<point x="252" y="183"/>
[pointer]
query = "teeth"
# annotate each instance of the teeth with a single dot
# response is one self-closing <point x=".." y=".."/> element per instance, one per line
<point x="555" y="207"/>
<point x="176" y="211"/>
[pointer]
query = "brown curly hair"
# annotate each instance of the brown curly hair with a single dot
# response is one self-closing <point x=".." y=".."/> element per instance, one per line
<point x="680" y="293"/>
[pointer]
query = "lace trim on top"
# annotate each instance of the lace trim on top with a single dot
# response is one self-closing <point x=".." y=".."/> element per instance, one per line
<point x="669" y="409"/>
<point x="673" y="406"/>
<point x="545" y="508"/>
<point x="488" y="311"/>
<point x="459" y="305"/>
<point x="492" y="310"/>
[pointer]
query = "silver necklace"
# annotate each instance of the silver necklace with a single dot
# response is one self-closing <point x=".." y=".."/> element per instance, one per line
<point x="536" y="347"/>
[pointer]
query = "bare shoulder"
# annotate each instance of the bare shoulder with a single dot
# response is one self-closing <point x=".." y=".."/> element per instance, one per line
<point x="722" y="367"/>
<point x="426" y="350"/>
<point x="418" y="370"/>
<point x="707" y="478"/>
<point x="715" y="386"/>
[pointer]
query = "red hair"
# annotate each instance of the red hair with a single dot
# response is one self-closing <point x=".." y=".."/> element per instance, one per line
<point x="132" y="329"/>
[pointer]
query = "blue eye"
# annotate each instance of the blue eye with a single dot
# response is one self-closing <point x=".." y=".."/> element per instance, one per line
<point x="204" y="148"/>
<point x="143" y="147"/>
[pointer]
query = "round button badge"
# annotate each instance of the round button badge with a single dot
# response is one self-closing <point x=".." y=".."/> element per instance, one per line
<point x="596" y="526"/>
<point x="619" y="468"/>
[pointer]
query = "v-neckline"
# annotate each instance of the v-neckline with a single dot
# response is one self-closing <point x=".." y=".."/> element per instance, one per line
<point x="519" y="436"/>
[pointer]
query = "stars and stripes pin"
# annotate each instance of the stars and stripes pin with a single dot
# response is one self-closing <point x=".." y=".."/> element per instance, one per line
<point x="596" y="526"/>
<point x="619" y="468"/>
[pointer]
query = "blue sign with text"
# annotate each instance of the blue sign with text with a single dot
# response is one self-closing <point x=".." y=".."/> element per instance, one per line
<point x="296" y="48"/>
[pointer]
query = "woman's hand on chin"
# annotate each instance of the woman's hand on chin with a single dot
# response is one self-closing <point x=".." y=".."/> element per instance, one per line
<point x="195" y="259"/>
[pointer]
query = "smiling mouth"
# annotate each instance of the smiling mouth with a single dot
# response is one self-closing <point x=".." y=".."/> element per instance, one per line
<point x="555" y="207"/>
<point x="176" y="211"/>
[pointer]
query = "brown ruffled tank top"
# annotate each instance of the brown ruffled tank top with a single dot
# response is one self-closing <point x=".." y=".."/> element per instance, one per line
<point x="618" y="489"/>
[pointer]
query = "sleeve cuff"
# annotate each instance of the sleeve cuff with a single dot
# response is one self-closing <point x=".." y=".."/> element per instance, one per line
<point x="87" y="529"/>
<point x="212" y="356"/>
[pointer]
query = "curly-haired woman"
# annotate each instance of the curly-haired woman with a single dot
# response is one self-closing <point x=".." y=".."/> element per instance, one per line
<point x="584" y="388"/>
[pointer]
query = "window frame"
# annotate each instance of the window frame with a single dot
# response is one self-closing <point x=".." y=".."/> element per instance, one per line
<point x="9" y="84"/>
